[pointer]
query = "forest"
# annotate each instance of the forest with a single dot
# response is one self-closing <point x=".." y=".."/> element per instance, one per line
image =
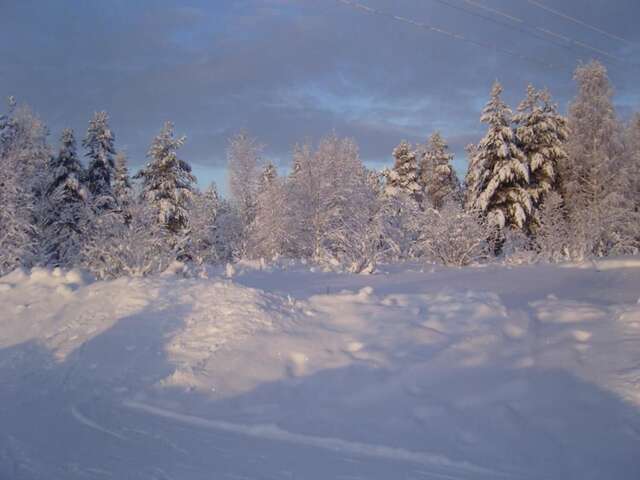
<point x="540" y="187"/>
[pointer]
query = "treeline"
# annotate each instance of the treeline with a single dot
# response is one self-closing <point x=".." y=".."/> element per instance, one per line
<point x="539" y="187"/>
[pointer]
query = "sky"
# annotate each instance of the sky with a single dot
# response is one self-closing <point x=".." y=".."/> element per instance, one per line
<point x="288" y="71"/>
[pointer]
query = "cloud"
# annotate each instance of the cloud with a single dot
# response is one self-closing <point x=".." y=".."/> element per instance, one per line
<point x="289" y="70"/>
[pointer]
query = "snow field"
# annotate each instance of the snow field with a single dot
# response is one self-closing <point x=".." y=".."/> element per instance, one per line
<point x="518" y="372"/>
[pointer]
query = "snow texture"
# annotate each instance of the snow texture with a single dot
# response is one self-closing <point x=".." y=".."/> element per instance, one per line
<point x="280" y="372"/>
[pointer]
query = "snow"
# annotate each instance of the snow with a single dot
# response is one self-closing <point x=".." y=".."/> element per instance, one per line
<point x="272" y="432"/>
<point x="613" y="263"/>
<point x="280" y="372"/>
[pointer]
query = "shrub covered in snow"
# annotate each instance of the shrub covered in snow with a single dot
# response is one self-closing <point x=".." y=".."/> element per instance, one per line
<point x="454" y="236"/>
<point x="137" y="248"/>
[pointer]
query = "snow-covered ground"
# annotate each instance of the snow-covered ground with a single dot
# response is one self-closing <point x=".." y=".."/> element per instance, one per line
<point x="528" y="372"/>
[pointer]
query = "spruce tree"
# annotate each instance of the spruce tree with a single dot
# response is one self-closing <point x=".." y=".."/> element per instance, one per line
<point x="402" y="179"/>
<point x="542" y="133"/>
<point x="167" y="182"/>
<point x="498" y="176"/>
<point x="66" y="198"/>
<point x="99" y="143"/>
<point x="437" y="176"/>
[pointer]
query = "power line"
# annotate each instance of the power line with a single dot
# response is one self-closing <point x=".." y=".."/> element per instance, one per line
<point x="500" y="22"/>
<point x="545" y="31"/>
<point x="580" y="22"/>
<point x="493" y="10"/>
<point x="441" y="31"/>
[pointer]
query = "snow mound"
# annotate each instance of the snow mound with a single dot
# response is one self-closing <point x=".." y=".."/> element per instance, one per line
<point x="61" y="310"/>
<point x="221" y="313"/>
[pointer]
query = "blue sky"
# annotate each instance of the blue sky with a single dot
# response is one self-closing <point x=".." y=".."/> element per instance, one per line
<point x="291" y="70"/>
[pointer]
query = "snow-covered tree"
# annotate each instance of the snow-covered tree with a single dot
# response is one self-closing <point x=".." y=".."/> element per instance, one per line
<point x="593" y="178"/>
<point x="122" y="188"/>
<point x="115" y="249"/>
<point x="206" y="238"/>
<point x="327" y="191"/>
<point x="99" y="143"/>
<point x="403" y="195"/>
<point x="66" y="205"/>
<point x="270" y="235"/>
<point x="306" y="190"/>
<point x="17" y="236"/>
<point x="498" y="175"/>
<point x="542" y="133"/>
<point x="608" y="227"/>
<point x="384" y="228"/>
<point x="437" y="176"/>
<point x="357" y="235"/>
<point x="267" y="177"/>
<point x="244" y="166"/>
<point x="23" y="159"/>
<point x="632" y="162"/>
<point x="23" y="140"/>
<point x="231" y="232"/>
<point x="167" y="183"/>
<point x="403" y="177"/>
<point x="554" y="233"/>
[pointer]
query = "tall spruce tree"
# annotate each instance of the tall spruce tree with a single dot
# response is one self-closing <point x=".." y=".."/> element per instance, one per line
<point x="498" y="176"/>
<point x="99" y="143"/>
<point x="542" y="134"/>
<point x="167" y="182"/>
<point x="66" y="208"/>
<point x="437" y="176"/>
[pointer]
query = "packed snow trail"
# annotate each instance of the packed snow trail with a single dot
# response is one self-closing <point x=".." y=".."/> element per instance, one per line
<point x="497" y="372"/>
<point x="148" y="446"/>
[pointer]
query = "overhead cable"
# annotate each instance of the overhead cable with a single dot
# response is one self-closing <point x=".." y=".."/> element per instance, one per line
<point x="457" y="36"/>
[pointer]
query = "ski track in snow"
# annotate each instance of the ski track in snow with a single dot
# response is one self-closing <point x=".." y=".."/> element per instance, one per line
<point x="272" y="432"/>
<point x="91" y="424"/>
